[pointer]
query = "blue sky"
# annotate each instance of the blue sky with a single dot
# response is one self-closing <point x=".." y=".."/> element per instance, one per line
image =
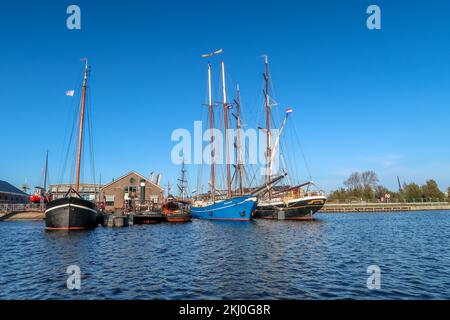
<point x="363" y="99"/>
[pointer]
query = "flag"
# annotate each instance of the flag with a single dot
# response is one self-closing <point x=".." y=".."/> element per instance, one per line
<point x="70" y="93"/>
<point x="289" y="110"/>
<point x="211" y="54"/>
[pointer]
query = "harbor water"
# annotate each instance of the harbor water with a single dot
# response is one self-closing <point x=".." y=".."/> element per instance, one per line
<point x="324" y="259"/>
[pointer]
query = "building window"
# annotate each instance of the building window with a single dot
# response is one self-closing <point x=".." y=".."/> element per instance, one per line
<point x="109" y="200"/>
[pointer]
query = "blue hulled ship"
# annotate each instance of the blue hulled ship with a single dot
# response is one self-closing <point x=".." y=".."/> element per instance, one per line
<point x="238" y="208"/>
<point x="232" y="204"/>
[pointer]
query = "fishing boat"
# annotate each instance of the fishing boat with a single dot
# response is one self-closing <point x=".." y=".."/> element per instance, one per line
<point x="40" y="195"/>
<point x="288" y="202"/>
<point x="72" y="212"/>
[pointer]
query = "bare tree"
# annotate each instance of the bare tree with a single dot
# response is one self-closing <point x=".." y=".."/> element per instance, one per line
<point x="369" y="179"/>
<point x="354" y="181"/>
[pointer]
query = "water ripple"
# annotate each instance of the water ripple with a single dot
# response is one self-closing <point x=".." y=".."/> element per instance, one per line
<point x="325" y="259"/>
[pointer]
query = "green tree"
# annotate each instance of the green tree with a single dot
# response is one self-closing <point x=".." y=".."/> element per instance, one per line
<point x="368" y="194"/>
<point x="338" y="195"/>
<point x="430" y="191"/>
<point x="412" y="192"/>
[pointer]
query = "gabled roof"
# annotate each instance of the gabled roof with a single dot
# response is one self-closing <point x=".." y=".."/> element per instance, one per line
<point x="126" y="175"/>
<point x="9" y="188"/>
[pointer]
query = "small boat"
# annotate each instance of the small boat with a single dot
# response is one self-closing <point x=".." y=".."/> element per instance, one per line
<point x="72" y="212"/>
<point x="176" y="210"/>
<point x="148" y="218"/>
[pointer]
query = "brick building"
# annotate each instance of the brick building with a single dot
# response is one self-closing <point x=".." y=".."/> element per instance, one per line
<point x="130" y="190"/>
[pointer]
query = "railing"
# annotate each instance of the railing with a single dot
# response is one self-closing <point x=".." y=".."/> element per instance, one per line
<point x="429" y="201"/>
<point x="20" y="207"/>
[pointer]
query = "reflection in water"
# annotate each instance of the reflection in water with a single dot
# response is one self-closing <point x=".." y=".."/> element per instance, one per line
<point x="323" y="259"/>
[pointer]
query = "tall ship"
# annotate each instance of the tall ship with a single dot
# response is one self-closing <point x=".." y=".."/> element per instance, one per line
<point x="72" y="212"/>
<point x="288" y="202"/>
<point x="226" y="204"/>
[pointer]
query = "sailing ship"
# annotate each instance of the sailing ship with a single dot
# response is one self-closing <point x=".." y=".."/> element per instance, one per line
<point x="240" y="208"/>
<point x="289" y="202"/>
<point x="230" y="206"/>
<point x="177" y="209"/>
<point x="72" y="212"/>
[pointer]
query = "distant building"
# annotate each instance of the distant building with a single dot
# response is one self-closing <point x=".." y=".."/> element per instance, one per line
<point x="11" y="194"/>
<point x="132" y="189"/>
<point x="87" y="191"/>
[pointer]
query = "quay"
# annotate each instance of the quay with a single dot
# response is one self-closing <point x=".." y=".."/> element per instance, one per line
<point x="384" y="207"/>
<point x="16" y="212"/>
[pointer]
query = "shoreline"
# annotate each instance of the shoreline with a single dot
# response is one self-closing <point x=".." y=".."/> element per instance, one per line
<point x="383" y="207"/>
<point x="327" y="208"/>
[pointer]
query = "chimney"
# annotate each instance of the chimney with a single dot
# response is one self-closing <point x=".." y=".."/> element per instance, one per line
<point x="158" y="179"/>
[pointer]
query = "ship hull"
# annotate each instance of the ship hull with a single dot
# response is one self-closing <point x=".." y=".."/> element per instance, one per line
<point x="177" y="217"/>
<point x="238" y="209"/>
<point x="70" y="214"/>
<point x="150" y="218"/>
<point x="298" y="209"/>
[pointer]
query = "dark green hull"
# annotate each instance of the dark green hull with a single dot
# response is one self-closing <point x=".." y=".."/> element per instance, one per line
<point x="301" y="209"/>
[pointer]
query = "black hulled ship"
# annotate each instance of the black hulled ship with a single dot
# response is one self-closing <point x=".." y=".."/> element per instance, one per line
<point x="72" y="212"/>
<point x="291" y="204"/>
<point x="284" y="203"/>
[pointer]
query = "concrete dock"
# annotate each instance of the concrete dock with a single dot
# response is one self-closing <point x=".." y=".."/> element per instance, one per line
<point x="384" y="207"/>
<point x="26" y="215"/>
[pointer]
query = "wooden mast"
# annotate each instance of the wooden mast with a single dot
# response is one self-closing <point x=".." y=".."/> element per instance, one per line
<point x="267" y="105"/>
<point x="211" y="135"/>
<point x="225" y="119"/>
<point x="46" y="172"/>
<point x="80" y="136"/>
<point x="239" y="147"/>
